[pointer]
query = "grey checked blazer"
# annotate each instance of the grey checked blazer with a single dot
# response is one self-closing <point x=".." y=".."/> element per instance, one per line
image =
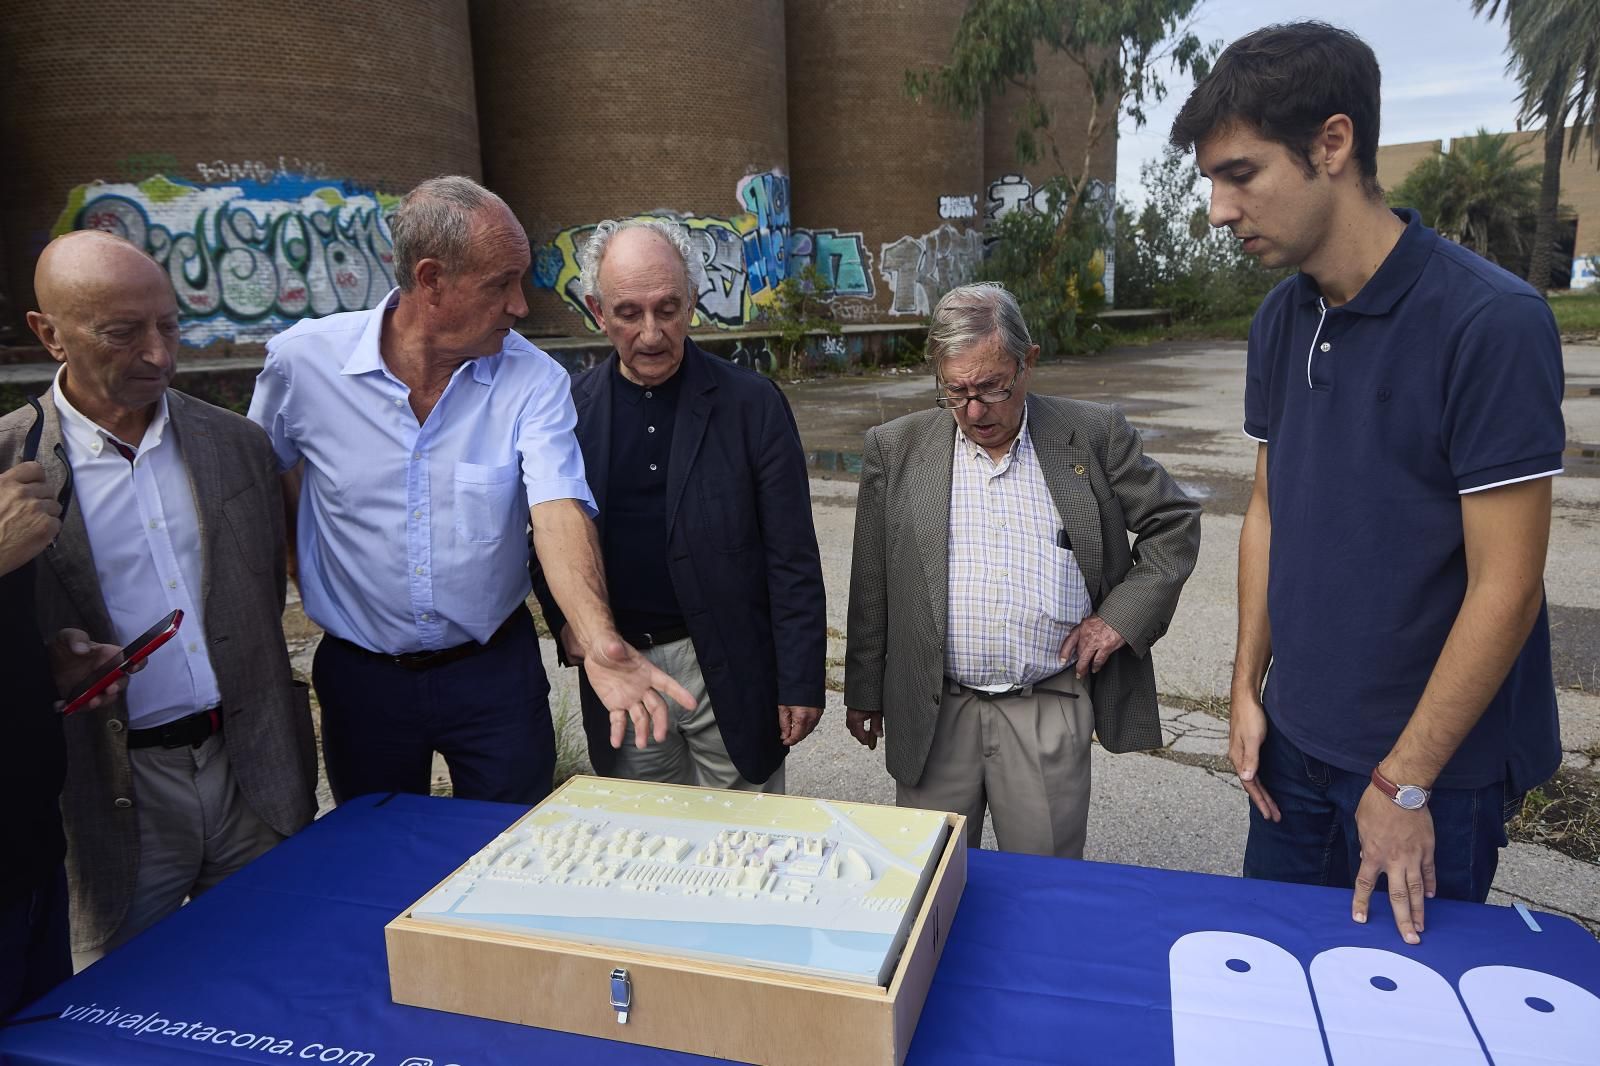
<point x="268" y="717"/>
<point x="1104" y="487"/>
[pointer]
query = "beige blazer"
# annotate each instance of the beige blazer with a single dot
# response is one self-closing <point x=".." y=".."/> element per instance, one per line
<point x="1105" y="488"/>
<point x="267" y="716"/>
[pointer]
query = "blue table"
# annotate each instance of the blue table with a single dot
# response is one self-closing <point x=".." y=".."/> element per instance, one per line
<point x="1048" y="960"/>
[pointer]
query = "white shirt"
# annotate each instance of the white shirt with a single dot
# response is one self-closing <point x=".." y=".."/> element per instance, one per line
<point x="414" y="537"/>
<point x="1014" y="592"/>
<point x="144" y="534"/>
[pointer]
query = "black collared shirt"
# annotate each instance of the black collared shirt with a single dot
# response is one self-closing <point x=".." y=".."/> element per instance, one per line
<point x="635" y="541"/>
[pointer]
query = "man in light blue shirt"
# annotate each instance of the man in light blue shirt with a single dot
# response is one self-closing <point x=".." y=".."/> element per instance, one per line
<point x="418" y="439"/>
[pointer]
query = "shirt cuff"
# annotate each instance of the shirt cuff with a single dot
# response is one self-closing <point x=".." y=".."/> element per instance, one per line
<point x="1509" y="473"/>
<point x="562" y="489"/>
<point x="1256" y="433"/>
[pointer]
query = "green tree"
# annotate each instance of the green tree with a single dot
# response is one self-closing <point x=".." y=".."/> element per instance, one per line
<point x="1170" y="256"/>
<point x="1555" y="55"/>
<point x="800" y="308"/>
<point x="1120" y="47"/>
<point x="1476" y="194"/>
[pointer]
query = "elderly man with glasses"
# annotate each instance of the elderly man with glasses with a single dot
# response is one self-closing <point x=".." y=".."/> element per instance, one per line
<point x="1017" y="620"/>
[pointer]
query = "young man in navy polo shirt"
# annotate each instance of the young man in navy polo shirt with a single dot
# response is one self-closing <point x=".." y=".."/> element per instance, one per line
<point x="1406" y="396"/>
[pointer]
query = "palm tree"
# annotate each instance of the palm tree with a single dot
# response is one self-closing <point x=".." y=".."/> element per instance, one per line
<point x="1475" y="194"/>
<point x="1555" y="54"/>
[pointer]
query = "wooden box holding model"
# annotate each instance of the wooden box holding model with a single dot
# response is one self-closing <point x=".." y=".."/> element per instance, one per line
<point x="769" y="929"/>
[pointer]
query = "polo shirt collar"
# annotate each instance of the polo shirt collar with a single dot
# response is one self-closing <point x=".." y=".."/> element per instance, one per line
<point x="1400" y="270"/>
<point x="367" y="356"/>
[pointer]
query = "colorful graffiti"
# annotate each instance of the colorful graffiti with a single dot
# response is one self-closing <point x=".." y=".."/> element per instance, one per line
<point x="722" y="297"/>
<point x="248" y="259"/>
<point x="740" y="261"/>
<point x="841" y="259"/>
<point x="919" y="270"/>
<point x="765" y="197"/>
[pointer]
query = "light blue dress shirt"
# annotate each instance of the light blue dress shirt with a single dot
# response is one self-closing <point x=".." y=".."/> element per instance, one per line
<point x="414" y="537"/>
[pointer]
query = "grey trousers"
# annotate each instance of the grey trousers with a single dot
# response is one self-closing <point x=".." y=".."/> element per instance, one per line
<point x="1024" y="757"/>
<point x="693" y="753"/>
<point x="195" y="829"/>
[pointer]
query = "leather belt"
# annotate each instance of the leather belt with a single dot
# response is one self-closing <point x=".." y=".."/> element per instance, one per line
<point x="190" y="731"/>
<point x="656" y="637"/>
<point x="419" y="661"/>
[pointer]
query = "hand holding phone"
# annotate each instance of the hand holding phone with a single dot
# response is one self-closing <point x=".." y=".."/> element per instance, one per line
<point x="133" y="653"/>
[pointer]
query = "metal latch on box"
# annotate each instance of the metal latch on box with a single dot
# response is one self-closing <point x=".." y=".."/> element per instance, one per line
<point x="621" y="994"/>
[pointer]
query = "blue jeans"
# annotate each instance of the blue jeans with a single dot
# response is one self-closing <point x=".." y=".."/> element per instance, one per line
<point x="1316" y="842"/>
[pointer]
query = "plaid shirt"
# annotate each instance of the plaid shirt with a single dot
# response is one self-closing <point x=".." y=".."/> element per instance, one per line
<point x="1014" y="592"/>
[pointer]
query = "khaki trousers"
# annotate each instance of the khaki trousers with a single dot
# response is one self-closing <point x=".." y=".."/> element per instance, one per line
<point x="195" y="829"/>
<point x="693" y="753"/>
<point x="1024" y="757"/>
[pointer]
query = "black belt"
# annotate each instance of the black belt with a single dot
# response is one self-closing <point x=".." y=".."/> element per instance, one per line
<point x="190" y="731"/>
<point x="656" y="637"/>
<point x="428" y="660"/>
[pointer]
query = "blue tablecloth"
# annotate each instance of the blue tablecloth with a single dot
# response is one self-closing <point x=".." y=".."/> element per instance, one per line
<point x="1048" y="960"/>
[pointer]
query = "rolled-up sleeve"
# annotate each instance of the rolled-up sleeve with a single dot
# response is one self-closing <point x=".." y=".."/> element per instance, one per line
<point x="547" y="444"/>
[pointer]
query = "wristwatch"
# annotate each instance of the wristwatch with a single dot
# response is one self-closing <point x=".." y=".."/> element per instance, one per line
<point x="1406" y="797"/>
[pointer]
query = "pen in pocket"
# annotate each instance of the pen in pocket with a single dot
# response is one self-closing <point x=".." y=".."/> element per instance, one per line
<point x="1063" y="541"/>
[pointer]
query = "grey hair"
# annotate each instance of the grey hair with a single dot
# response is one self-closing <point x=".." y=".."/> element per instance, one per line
<point x="594" y="249"/>
<point x="969" y="314"/>
<point x="434" y="221"/>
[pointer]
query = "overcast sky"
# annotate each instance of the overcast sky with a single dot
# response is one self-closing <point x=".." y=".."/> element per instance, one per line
<point x="1443" y="70"/>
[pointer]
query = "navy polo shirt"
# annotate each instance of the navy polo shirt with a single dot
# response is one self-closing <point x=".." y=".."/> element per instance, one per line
<point x="1440" y="378"/>
<point x="634" y="537"/>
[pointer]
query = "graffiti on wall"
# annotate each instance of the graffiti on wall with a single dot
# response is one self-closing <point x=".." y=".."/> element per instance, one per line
<point x="1013" y="192"/>
<point x="958" y="207"/>
<point x="841" y="259"/>
<point x="257" y="170"/>
<point x="765" y="198"/>
<point x="739" y="261"/>
<point x="248" y="259"/>
<point x="919" y="270"/>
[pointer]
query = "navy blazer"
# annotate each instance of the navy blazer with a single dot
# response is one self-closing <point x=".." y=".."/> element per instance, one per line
<point x="741" y="552"/>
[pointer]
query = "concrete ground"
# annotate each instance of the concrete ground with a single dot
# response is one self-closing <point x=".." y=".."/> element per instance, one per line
<point x="1180" y="807"/>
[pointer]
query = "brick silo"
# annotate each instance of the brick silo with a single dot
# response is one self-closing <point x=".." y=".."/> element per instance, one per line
<point x="251" y="147"/>
<point x="1010" y="185"/>
<point x="591" y="111"/>
<point x="887" y="189"/>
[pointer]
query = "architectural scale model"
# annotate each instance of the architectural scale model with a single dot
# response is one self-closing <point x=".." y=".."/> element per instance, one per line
<point x="803" y="885"/>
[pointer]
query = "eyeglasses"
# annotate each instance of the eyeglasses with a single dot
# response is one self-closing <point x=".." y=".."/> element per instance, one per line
<point x="954" y="402"/>
<point x="30" y="453"/>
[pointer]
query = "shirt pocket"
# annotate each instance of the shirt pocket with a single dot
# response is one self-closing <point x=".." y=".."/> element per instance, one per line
<point x="1066" y="598"/>
<point x="485" y="502"/>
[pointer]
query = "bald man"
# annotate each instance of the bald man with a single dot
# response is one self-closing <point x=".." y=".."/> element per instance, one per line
<point x="207" y="759"/>
<point x="705" y="523"/>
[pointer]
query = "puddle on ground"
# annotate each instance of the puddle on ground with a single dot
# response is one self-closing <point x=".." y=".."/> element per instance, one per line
<point x="1196" y="490"/>
<point x="838" y="462"/>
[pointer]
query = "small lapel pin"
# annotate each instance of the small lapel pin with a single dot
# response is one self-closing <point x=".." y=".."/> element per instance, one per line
<point x="1078" y="469"/>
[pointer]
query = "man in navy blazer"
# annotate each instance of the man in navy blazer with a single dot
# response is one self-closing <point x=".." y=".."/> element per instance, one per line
<point x="705" y="525"/>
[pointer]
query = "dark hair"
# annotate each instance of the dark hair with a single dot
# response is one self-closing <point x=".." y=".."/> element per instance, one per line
<point x="1285" y="81"/>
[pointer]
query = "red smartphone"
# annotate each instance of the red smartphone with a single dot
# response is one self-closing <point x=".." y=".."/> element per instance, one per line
<point x="135" y="651"/>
